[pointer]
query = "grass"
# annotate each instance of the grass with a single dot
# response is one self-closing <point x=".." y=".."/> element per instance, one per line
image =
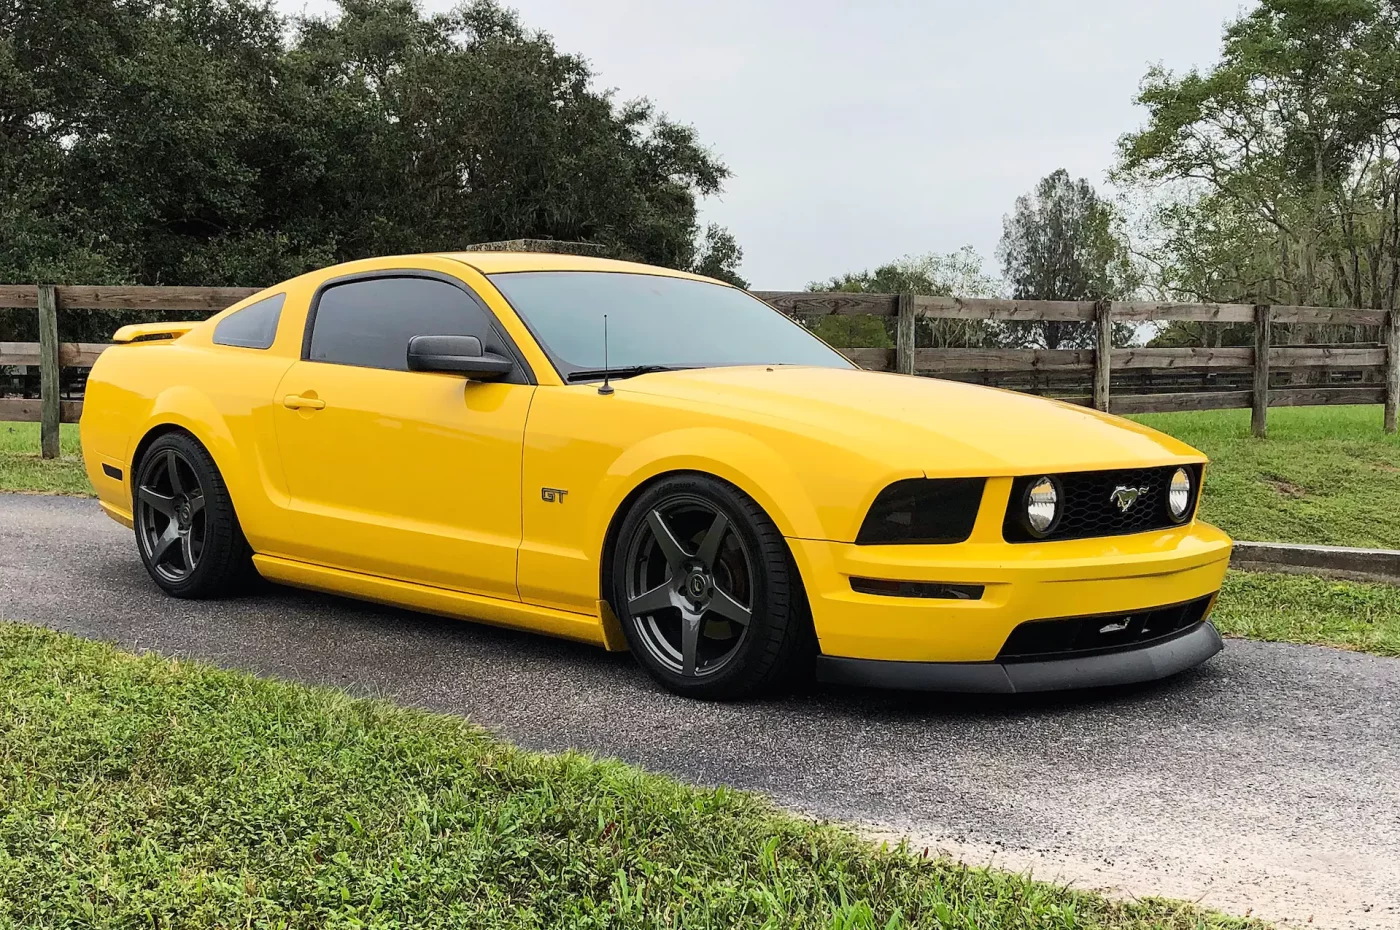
<point x="1304" y="609"/>
<point x="1324" y="475"/>
<point x="21" y="468"/>
<point x="145" y="791"/>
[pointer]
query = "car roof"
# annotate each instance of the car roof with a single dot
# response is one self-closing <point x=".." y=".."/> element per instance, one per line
<point x="506" y="262"/>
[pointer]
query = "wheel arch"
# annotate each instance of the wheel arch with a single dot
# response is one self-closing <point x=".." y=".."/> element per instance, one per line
<point x="148" y="439"/>
<point x="624" y="506"/>
<point x="190" y="412"/>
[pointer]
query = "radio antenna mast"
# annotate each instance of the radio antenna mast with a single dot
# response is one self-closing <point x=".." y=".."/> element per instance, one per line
<point x="606" y="387"/>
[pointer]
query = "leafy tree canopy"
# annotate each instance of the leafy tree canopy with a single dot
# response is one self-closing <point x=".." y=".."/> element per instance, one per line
<point x="213" y="142"/>
<point x="955" y="274"/>
<point x="1275" y="173"/>
<point x="1064" y="242"/>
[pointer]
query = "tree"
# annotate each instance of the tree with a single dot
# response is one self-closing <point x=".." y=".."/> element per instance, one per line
<point x="1278" y="167"/>
<point x="720" y="256"/>
<point x="212" y="142"/>
<point x="956" y="274"/>
<point x="1063" y="242"/>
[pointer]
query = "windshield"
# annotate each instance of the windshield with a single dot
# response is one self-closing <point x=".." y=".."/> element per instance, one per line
<point x="654" y="322"/>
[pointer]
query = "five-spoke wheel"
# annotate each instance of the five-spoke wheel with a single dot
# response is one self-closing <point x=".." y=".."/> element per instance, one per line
<point x="186" y="529"/>
<point x="705" y="589"/>
<point x="689" y="586"/>
<point x="170" y="524"/>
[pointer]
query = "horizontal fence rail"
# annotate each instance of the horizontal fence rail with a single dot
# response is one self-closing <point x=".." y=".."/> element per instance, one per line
<point x="1261" y="363"/>
<point x="1098" y="365"/>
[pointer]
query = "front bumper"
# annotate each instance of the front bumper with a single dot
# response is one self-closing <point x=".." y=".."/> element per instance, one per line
<point x="1131" y="666"/>
<point x="1021" y="582"/>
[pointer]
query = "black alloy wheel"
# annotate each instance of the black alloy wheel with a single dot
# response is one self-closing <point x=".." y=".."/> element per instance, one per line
<point x="170" y="519"/>
<point x="186" y="531"/>
<point x="709" y="600"/>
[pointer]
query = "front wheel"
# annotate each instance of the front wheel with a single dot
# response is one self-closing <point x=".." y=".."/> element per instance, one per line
<point x="186" y="530"/>
<point x="705" y="589"/>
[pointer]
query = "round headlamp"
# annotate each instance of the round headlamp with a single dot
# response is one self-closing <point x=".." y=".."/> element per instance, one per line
<point x="1179" y="495"/>
<point x="1042" y="506"/>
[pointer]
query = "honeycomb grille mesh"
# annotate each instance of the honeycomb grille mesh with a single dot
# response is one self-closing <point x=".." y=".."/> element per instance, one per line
<point x="1089" y="510"/>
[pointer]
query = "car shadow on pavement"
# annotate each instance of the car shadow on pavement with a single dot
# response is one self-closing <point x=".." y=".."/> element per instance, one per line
<point x="517" y="655"/>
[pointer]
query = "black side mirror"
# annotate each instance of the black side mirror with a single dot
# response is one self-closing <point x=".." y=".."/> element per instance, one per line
<point x="458" y="355"/>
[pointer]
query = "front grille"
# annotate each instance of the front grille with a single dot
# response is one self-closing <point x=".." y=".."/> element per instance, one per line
<point x="1070" y="637"/>
<point x="1087" y="508"/>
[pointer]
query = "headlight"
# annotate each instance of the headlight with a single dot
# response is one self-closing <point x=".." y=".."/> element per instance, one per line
<point x="1179" y="495"/>
<point x="923" y="511"/>
<point x="1042" y="506"/>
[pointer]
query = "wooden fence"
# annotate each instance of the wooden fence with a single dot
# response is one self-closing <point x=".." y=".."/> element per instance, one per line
<point x="1381" y="359"/>
<point x="52" y="356"/>
<point x="1262" y="360"/>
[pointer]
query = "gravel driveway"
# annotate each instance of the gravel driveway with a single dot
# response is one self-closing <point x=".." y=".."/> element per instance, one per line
<point x="1268" y="780"/>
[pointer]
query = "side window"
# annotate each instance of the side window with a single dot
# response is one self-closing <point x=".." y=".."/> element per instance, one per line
<point x="253" y="327"/>
<point x="369" y="322"/>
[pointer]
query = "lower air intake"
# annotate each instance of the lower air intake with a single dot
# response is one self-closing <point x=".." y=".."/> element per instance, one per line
<point x="1070" y="637"/>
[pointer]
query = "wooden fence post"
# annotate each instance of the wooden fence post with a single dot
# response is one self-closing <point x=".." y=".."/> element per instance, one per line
<point x="1392" y="369"/>
<point x="49" y="407"/>
<point x="1103" y="353"/>
<point x="1263" y="338"/>
<point x="904" y="336"/>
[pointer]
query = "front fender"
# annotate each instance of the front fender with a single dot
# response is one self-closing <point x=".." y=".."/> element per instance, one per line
<point x="602" y="450"/>
<point x="749" y="464"/>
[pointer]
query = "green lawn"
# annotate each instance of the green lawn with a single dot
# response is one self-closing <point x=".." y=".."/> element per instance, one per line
<point x="21" y="468"/>
<point x="1304" y="609"/>
<point x="1324" y="475"/>
<point x="149" y="792"/>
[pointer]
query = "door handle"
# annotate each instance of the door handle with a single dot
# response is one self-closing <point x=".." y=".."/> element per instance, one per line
<point x="297" y="402"/>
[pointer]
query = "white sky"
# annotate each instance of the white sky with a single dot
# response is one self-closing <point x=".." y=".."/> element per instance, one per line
<point x="858" y="131"/>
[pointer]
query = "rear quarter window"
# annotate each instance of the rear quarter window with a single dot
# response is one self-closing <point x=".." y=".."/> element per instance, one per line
<point x="253" y="327"/>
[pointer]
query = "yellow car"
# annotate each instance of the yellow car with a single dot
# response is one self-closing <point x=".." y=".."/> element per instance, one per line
<point x="644" y="459"/>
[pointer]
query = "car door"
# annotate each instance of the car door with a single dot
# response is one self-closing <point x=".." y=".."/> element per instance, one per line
<point x="397" y="473"/>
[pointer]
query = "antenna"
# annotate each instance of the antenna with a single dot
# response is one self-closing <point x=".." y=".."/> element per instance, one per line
<point x="605" y="388"/>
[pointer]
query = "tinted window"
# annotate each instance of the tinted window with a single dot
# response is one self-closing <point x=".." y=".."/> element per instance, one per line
<point x="253" y="327"/>
<point x="655" y="320"/>
<point x="370" y="322"/>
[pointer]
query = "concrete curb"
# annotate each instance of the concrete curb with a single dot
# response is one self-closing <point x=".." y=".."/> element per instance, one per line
<point x="1339" y="562"/>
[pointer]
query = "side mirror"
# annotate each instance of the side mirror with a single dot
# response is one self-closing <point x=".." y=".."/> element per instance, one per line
<point x="458" y="355"/>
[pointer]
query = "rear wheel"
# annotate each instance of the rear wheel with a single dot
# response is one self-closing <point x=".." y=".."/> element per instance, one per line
<point x="186" y="530"/>
<point x="706" y="592"/>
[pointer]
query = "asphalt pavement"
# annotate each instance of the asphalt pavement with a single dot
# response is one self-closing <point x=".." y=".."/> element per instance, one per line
<point x="1267" y="781"/>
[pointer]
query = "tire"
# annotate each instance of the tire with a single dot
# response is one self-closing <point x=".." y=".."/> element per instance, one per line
<point x="716" y="617"/>
<point x="186" y="530"/>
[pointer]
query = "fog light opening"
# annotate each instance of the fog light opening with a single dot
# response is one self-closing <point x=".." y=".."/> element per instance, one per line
<point x="925" y="589"/>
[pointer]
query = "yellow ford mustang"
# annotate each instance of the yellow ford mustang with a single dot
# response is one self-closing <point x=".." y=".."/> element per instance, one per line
<point x="711" y="487"/>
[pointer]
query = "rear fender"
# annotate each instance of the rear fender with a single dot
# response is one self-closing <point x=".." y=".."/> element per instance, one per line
<point x="192" y="411"/>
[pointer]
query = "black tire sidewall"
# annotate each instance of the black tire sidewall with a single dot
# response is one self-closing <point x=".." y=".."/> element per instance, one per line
<point x="751" y="670"/>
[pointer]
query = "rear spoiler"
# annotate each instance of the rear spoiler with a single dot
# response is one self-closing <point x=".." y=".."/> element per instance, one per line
<point x="153" y="332"/>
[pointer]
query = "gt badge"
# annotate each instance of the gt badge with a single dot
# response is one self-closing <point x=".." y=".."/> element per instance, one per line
<point x="1125" y="497"/>
<point x="553" y="494"/>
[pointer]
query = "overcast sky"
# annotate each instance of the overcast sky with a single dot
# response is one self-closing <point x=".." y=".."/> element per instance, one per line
<point x="858" y="131"/>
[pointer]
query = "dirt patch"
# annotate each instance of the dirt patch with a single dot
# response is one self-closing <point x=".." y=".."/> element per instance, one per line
<point x="1286" y="488"/>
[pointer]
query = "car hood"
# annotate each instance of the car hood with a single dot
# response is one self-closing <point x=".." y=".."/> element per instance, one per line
<point x="943" y="427"/>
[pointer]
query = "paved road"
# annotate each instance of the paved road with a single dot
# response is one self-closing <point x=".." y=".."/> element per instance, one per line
<point x="1268" y="779"/>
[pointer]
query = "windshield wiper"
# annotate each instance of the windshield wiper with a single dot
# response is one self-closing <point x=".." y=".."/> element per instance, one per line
<point x="626" y="371"/>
